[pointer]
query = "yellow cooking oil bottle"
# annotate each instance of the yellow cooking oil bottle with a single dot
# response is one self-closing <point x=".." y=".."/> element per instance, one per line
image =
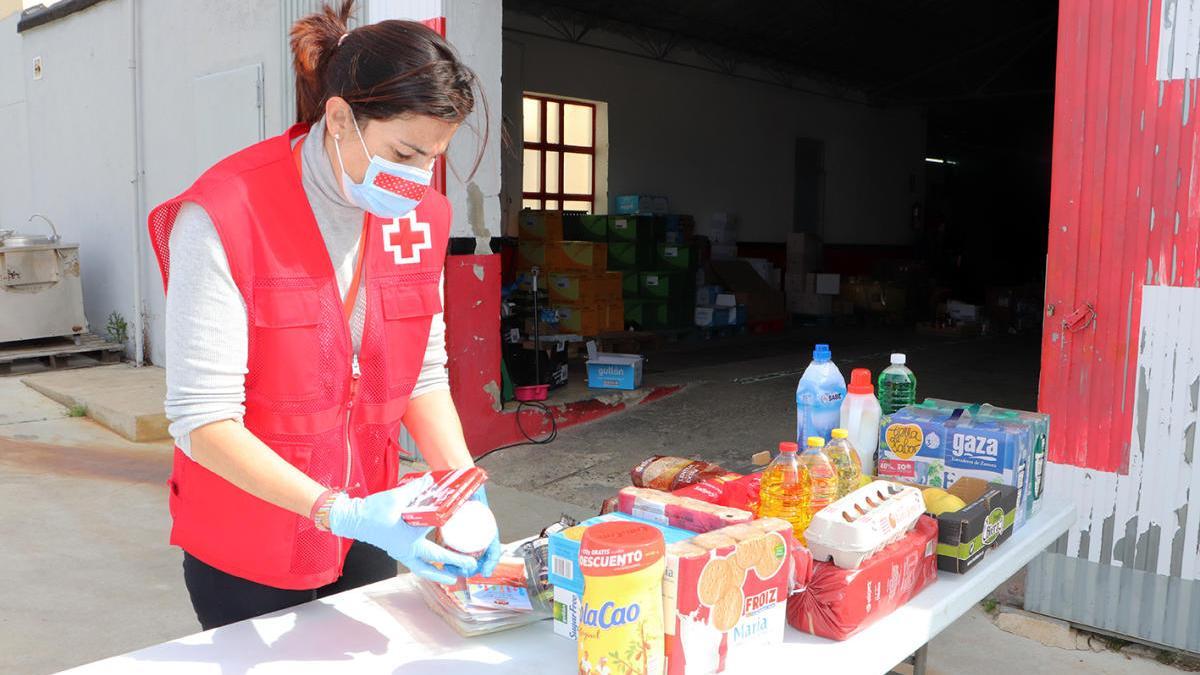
<point x="783" y="488"/>
<point x="846" y="462"/>
<point x="822" y="482"/>
<point x="621" y="626"/>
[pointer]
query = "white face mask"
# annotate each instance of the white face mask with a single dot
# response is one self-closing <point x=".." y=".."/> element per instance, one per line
<point x="388" y="189"/>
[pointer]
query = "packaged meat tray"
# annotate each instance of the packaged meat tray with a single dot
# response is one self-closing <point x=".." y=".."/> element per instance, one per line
<point x="682" y="512"/>
<point x="837" y="603"/>
<point x="857" y="526"/>
<point x="449" y="489"/>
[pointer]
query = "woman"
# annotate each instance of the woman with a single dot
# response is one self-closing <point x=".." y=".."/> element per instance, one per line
<point x="304" y="325"/>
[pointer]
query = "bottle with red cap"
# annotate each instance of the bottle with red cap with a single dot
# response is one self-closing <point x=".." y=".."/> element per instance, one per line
<point x="860" y="417"/>
<point x="783" y="490"/>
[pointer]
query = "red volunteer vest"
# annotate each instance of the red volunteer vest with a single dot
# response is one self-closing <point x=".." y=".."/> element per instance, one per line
<point x="300" y="396"/>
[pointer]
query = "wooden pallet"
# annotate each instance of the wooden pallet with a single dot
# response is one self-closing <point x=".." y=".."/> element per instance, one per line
<point x="58" y="353"/>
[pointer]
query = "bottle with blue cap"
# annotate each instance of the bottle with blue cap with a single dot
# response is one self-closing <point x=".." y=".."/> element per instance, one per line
<point x="819" y="397"/>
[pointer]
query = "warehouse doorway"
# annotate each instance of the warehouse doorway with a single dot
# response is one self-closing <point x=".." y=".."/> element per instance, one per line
<point x="893" y="187"/>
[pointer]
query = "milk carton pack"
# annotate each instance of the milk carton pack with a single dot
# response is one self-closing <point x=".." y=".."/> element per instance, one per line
<point x="1028" y="434"/>
<point x="911" y="446"/>
<point x="991" y="450"/>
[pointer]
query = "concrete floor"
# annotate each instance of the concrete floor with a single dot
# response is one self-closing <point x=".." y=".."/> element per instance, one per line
<point x="723" y="418"/>
<point x="88" y="514"/>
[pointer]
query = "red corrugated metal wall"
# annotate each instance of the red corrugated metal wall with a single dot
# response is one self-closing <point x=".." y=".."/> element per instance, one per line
<point x="1124" y="213"/>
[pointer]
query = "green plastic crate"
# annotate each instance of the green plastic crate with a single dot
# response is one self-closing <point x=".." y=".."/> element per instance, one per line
<point x="668" y="285"/>
<point x="682" y="258"/>
<point x="585" y="228"/>
<point x="630" y="284"/>
<point x="646" y="229"/>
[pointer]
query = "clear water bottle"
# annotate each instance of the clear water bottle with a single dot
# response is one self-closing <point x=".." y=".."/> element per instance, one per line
<point x="897" y="386"/>
<point x="819" y="397"/>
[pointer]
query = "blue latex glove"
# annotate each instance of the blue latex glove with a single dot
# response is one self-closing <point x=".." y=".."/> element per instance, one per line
<point x="490" y="557"/>
<point x="376" y="520"/>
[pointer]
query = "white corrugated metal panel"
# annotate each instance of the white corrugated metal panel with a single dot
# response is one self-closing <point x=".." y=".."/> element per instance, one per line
<point x="1131" y="562"/>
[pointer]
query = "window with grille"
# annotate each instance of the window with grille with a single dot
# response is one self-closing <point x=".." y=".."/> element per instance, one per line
<point x="559" y="154"/>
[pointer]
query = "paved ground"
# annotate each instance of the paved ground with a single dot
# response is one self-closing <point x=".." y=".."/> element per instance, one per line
<point x="85" y="522"/>
<point x="720" y="418"/>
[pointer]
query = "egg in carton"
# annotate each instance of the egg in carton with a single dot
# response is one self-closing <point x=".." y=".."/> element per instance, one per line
<point x="862" y="523"/>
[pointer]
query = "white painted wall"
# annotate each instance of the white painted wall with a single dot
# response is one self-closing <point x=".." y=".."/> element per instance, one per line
<point x="713" y="143"/>
<point x="183" y="41"/>
<point x="67" y="153"/>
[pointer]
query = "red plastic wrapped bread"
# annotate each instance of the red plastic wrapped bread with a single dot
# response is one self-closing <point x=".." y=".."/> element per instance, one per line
<point x="838" y="603"/>
<point x="682" y="512"/>
<point x="669" y="474"/>
<point x="731" y="489"/>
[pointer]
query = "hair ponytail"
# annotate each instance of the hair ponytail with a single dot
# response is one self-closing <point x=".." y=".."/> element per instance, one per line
<point x="314" y="38"/>
<point x="383" y="70"/>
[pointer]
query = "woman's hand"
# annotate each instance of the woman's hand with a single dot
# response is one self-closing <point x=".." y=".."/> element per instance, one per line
<point x="376" y="520"/>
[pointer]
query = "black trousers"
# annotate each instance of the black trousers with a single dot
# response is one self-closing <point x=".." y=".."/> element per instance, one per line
<point x="220" y="598"/>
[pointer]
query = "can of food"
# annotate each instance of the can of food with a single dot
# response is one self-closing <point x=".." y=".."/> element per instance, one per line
<point x="621" y="625"/>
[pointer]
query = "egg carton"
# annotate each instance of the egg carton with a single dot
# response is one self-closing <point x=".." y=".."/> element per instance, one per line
<point x="862" y="523"/>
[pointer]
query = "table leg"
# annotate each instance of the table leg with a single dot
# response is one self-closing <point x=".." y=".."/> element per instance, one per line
<point x="918" y="661"/>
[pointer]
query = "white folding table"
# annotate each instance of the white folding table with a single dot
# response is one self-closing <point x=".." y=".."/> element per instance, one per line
<point x="386" y="628"/>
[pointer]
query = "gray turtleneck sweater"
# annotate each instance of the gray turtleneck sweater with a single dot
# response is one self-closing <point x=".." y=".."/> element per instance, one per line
<point x="206" y="331"/>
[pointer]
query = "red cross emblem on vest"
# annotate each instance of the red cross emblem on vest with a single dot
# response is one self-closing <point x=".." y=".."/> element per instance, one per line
<point x="405" y="238"/>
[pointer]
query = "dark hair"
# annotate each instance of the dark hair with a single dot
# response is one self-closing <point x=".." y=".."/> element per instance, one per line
<point x="383" y="70"/>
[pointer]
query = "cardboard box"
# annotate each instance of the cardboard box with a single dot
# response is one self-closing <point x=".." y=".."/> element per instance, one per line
<point x="938" y="446"/>
<point x="577" y="255"/>
<point x="810" y="304"/>
<point x="706" y="295"/>
<point x="804" y="253"/>
<point x="562" y="256"/>
<point x="583" y="320"/>
<point x="567" y="606"/>
<point x="615" y="316"/>
<point x="630" y="284"/>
<point x="585" y="228"/>
<point x="825" y="284"/>
<point x="988" y="520"/>
<point x="640" y="204"/>
<point x="630" y="255"/>
<point x="963" y="312"/>
<point x="649" y="314"/>
<point x="723" y="251"/>
<point x="723" y="602"/>
<point x="584" y="288"/>
<point x="1036" y="427"/>
<point x="540" y="225"/>
<point x="674" y="257"/>
<point x="615" y="371"/>
<point x="664" y="286"/>
<point x="723" y="229"/>
<point x="715" y="317"/>
<point x="911" y="447"/>
<point x="646" y="229"/>
<point x="764" y="269"/>
<point x="564" y="570"/>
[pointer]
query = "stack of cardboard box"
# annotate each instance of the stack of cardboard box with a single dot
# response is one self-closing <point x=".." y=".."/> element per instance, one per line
<point x="657" y="263"/>
<point x="809" y="292"/>
<point x="586" y="296"/>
